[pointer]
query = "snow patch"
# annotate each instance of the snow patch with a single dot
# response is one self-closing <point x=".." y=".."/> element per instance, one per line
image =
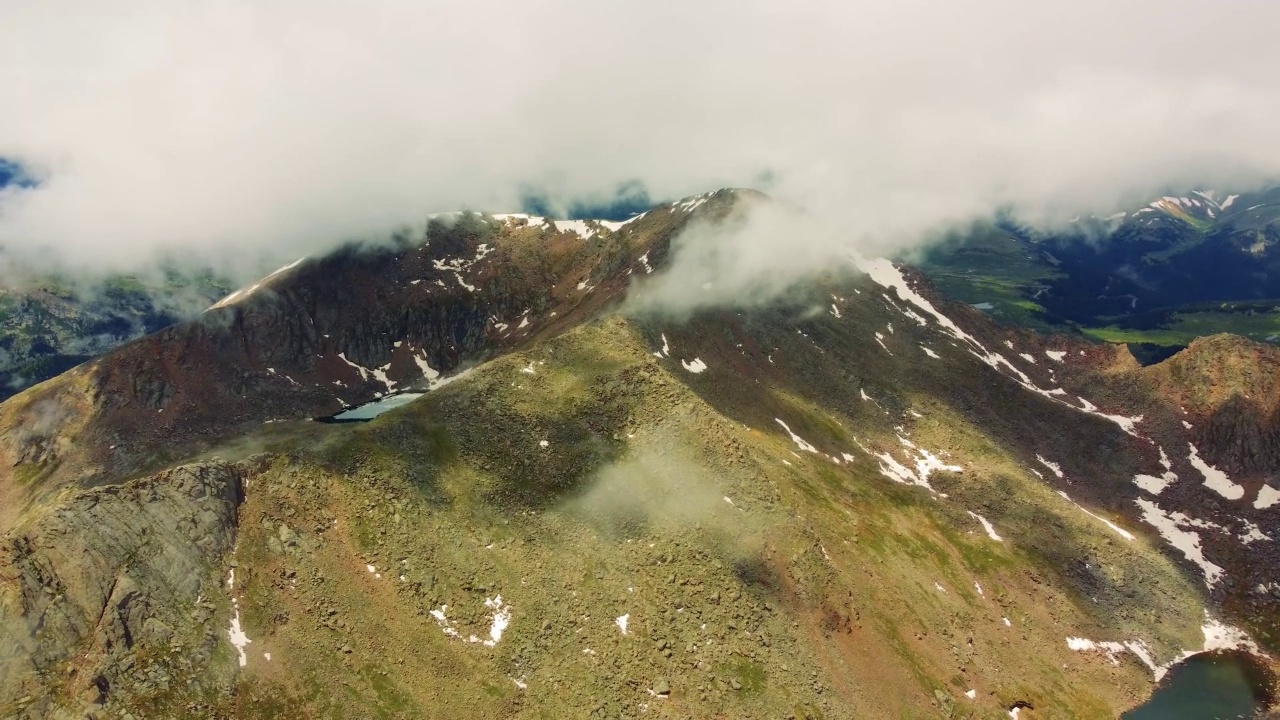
<point x="884" y="273"/>
<point x="1118" y="530"/>
<point x="1057" y="469"/>
<point x="695" y="367"/>
<point x="1217" y="636"/>
<point x="580" y="227"/>
<point x="690" y="204"/>
<point x="238" y="639"/>
<point x="1110" y="648"/>
<point x="1267" y="496"/>
<point x="1156" y="485"/>
<point x="880" y="339"/>
<point x="285" y="269"/>
<point x="925" y="465"/>
<point x="1056" y="355"/>
<point x="512" y="218"/>
<point x="1172" y="528"/>
<point x="443" y="621"/>
<point x="621" y="622"/>
<point x="986" y="525"/>
<point x="243" y="293"/>
<point x="501" y="619"/>
<point x="1252" y="533"/>
<point x="615" y="226"/>
<point x="799" y="441"/>
<point x="1215" y="479"/>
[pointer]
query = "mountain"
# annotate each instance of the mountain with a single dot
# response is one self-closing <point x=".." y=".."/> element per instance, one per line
<point x="1175" y="269"/>
<point x="50" y="323"/>
<point x="860" y="500"/>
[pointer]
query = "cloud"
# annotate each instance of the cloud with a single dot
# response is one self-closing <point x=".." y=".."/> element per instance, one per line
<point x="233" y="130"/>
<point x="650" y="490"/>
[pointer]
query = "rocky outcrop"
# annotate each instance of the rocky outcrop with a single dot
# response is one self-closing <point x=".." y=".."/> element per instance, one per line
<point x="105" y="592"/>
<point x="1229" y="390"/>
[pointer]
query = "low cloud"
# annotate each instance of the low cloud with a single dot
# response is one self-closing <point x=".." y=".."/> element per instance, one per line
<point x="759" y="251"/>
<point x="651" y="491"/>
<point x="238" y="133"/>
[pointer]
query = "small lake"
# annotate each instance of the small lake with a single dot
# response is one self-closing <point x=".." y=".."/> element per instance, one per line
<point x="1209" y="686"/>
<point x="371" y="410"/>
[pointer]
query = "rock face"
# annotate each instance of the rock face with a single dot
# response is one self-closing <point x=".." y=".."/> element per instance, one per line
<point x="111" y="576"/>
<point x="1228" y="390"/>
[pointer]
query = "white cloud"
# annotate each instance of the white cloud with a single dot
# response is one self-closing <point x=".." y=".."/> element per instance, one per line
<point x="293" y="125"/>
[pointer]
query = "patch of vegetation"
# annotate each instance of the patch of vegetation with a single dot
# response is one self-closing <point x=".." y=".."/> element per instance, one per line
<point x="25" y="474"/>
<point x="1181" y="328"/>
<point x="749" y="675"/>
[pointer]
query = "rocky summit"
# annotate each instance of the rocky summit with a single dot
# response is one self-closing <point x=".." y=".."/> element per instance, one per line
<point x="859" y="500"/>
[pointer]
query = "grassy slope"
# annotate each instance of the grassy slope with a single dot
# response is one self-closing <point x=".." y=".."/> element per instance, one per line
<point x="816" y="585"/>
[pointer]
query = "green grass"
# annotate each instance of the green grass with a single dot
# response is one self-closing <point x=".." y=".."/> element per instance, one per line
<point x="1185" y="327"/>
<point x="1113" y="334"/>
<point x="748" y="674"/>
<point x="25" y="474"/>
<point x="993" y="268"/>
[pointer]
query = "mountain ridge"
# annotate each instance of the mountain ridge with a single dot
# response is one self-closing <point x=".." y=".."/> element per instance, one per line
<point x="900" y="498"/>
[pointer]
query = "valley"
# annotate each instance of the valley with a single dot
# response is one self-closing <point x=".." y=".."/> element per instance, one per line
<point x="1157" y="278"/>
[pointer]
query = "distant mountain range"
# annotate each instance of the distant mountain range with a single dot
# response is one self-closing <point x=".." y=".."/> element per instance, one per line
<point x="50" y="323"/>
<point x="1158" y="276"/>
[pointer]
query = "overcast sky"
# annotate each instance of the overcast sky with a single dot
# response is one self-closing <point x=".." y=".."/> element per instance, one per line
<point x="218" y="129"/>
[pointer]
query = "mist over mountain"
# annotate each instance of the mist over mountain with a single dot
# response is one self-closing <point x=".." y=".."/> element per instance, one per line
<point x="884" y="120"/>
<point x="590" y="360"/>
<point x="627" y="201"/>
<point x="851" y="498"/>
